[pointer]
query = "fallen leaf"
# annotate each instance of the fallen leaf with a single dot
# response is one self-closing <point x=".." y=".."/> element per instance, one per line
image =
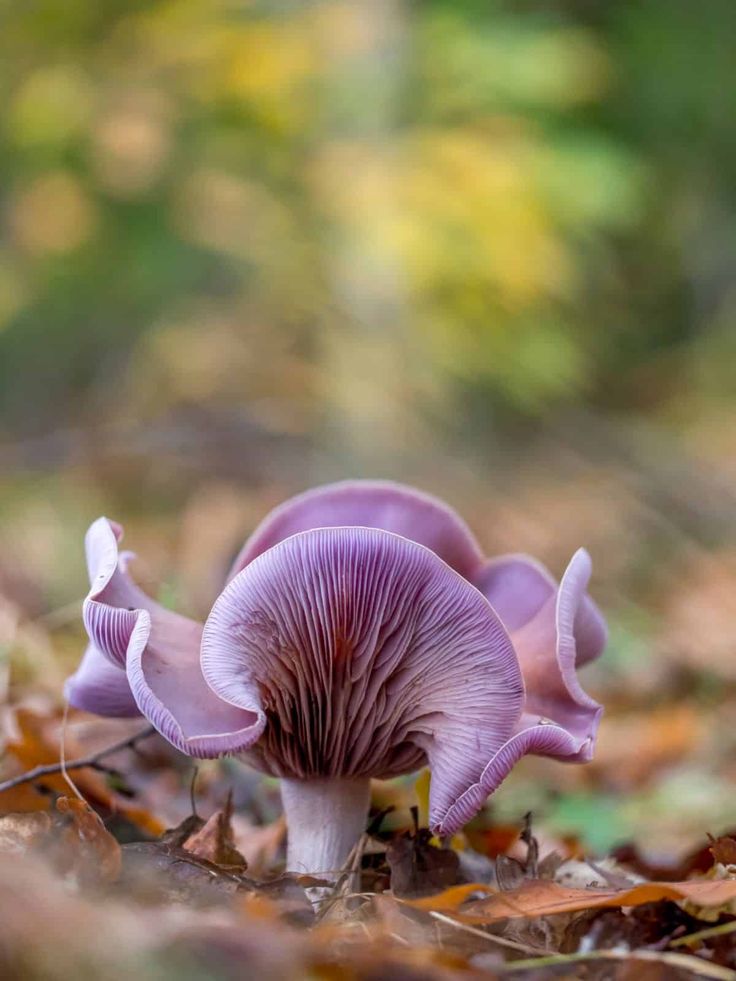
<point x="723" y="850"/>
<point x="641" y="926"/>
<point x="37" y="743"/>
<point x="451" y="898"/>
<point x="159" y="873"/>
<point x="418" y="867"/>
<point x="175" y="837"/>
<point x="606" y="874"/>
<point x="215" y="840"/>
<point x="86" y="846"/>
<point x="542" y="897"/>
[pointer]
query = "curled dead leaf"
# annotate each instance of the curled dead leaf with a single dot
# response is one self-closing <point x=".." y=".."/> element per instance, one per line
<point x="418" y="867"/>
<point x="215" y="840"/>
<point x="86" y="847"/>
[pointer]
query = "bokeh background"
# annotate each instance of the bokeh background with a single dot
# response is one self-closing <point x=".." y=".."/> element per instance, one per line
<point x="484" y="247"/>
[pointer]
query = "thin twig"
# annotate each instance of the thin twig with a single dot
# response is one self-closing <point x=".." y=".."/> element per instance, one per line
<point x="192" y="788"/>
<point x="501" y="941"/>
<point x="62" y="753"/>
<point x="693" y="938"/>
<point x="531" y="863"/>
<point x="48" y="769"/>
<point x="613" y="879"/>
<point x="349" y="874"/>
<point x="684" y="962"/>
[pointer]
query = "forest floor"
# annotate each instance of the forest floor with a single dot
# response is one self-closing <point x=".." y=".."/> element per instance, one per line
<point x="95" y="881"/>
<point x="139" y="865"/>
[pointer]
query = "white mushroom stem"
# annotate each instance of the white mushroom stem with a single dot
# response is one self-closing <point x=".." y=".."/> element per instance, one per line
<point x="324" y="818"/>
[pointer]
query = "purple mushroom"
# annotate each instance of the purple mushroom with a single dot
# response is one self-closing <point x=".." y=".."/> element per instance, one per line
<point x="361" y="634"/>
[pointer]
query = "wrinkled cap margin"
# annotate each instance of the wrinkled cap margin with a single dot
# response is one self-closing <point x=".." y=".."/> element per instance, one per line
<point x="159" y="653"/>
<point x="553" y="629"/>
<point x="518" y="586"/>
<point x="380" y="504"/>
<point x="101" y="687"/>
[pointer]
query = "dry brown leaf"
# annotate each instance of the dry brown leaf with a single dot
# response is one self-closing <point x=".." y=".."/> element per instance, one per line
<point x="398" y="919"/>
<point x="215" y="841"/>
<point x="542" y="897"/>
<point x="76" y="842"/>
<point x="31" y="747"/>
<point x="417" y="867"/>
<point x="37" y="744"/>
<point x="723" y="850"/>
<point x="86" y="846"/>
<point x="167" y="874"/>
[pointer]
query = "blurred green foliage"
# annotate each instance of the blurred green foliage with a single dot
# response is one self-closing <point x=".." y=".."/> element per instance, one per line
<point x="216" y="203"/>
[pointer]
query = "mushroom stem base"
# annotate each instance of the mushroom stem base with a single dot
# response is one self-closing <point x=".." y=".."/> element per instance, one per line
<point x="325" y="818"/>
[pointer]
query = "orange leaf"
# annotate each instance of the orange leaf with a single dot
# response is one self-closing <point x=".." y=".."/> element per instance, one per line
<point x="38" y="743"/>
<point x="543" y="897"/>
<point x="450" y="899"/>
<point x="493" y="841"/>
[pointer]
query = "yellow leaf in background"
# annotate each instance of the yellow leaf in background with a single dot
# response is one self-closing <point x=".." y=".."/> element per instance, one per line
<point x="270" y="59"/>
<point x="54" y="214"/>
<point x="52" y="106"/>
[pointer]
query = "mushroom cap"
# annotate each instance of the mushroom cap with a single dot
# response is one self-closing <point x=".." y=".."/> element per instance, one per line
<point x="156" y="654"/>
<point x="361" y="634"/>
<point x="366" y="651"/>
<point x="553" y="628"/>
<point x="101" y="687"/>
<point x="380" y="504"/>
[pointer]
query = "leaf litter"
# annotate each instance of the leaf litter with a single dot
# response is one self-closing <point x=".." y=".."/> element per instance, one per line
<point x="209" y="898"/>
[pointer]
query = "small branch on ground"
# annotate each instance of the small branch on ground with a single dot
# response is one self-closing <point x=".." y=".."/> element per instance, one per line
<point x="684" y="962"/>
<point x="491" y="937"/>
<point x="92" y="760"/>
<point x="192" y="791"/>
<point x="531" y="865"/>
